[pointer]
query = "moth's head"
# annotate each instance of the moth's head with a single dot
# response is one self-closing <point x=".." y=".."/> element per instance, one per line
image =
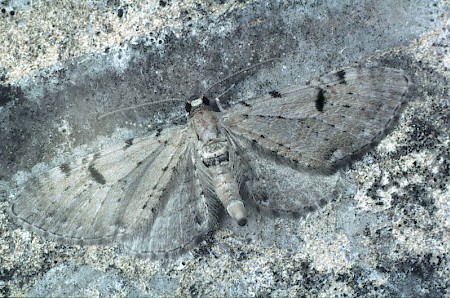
<point x="194" y="104"/>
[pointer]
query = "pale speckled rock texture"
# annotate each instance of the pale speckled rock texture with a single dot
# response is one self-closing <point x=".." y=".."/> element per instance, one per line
<point x="387" y="234"/>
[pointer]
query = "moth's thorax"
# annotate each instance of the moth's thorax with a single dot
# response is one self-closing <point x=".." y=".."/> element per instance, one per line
<point x="204" y="122"/>
<point x="212" y="144"/>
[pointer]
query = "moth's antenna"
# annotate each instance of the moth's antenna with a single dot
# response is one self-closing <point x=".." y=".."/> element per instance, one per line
<point x="139" y="106"/>
<point x="180" y="100"/>
<point x="236" y="73"/>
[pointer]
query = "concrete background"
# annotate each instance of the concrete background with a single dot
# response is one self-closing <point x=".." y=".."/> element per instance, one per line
<point x="64" y="63"/>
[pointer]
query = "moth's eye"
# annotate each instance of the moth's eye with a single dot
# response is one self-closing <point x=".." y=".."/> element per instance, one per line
<point x="188" y="107"/>
<point x="205" y="100"/>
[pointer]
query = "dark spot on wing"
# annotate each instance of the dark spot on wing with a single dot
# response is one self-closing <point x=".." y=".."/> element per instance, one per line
<point x="322" y="202"/>
<point x="158" y="132"/>
<point x="198" y="220"/>
<point x="310" y="208"/>
<point x="320" y="100"/>
<point x="65" y="168"/>
<point x="128" y="143"/>
<point x="275" y="94"/>
<point x="118" y="222"/>
<point x="96" y="174"/>
<point x="341" y="75"/>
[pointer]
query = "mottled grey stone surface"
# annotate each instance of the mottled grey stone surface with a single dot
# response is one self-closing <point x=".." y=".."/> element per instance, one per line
<point x="386" y="235"/>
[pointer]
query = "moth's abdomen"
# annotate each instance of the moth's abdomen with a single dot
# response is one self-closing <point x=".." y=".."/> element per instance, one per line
<point x="215" y="157"/>
<point x="227" y="191"/>
<point x="214" y="153"/>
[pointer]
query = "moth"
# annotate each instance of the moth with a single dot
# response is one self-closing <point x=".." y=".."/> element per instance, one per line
<point x="159" y="194"/>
